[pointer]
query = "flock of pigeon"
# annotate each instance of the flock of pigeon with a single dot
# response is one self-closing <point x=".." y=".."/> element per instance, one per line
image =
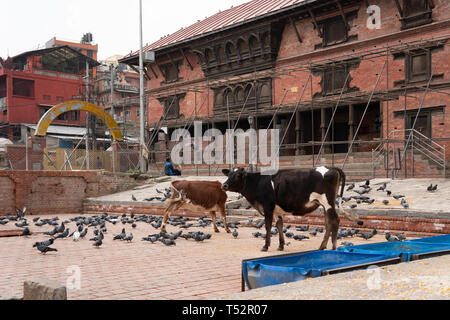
<point x="366" y="188"/>
<point x="98" y="224"/>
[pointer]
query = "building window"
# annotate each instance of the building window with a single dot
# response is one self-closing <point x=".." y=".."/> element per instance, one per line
<point x="418" y="65"/>
<point x="172" y="106"/>
<point x="416" y="13"/>
<point x="63" y="116"/>
<point x="46" y="97"/>
<point x="60" y="99"/>
<point x="334" y="80"/>
<point x="334" y="31"/>
<point x="171" y="71"/>
<point x="138" y="112"/>
<point x="75" y="115"/>
<point x="23" y="87"/>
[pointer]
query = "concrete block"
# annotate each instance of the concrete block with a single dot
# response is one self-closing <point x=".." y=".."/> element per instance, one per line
<point x="43" y="289"/>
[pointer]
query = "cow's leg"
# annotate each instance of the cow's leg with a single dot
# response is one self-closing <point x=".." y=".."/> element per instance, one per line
<point x="334" y="226"/>
<point x="170" y="209"/>
<point x="268" y="219"/>
<point x="326" y="236"/>
<point x="333" y="217"/>
<point x="280" y="232"/>
<point x="224" y="217"/>
<point x="213" y="216"/>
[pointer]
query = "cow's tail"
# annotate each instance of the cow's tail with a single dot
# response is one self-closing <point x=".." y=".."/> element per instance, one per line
<point x="349" y="216"/>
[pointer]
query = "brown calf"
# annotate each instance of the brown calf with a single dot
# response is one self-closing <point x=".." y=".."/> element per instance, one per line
<point x="197" y="196"/>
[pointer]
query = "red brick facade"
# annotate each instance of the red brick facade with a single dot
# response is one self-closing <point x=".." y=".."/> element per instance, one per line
<point x="381" y="55"/>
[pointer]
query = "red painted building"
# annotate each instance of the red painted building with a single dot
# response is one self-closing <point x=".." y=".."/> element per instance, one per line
<point x="353" y="75"/>
<point x="33" y="82"/>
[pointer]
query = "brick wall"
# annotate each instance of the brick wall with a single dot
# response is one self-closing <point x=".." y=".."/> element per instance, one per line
<point x="53" y="192"/>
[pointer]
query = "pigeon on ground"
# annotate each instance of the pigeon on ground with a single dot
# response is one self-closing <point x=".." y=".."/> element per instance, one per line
<point x="52" y="233"/>
<point x="386" y="202"/>
<point x="400" y="236"/>
<point x="313" y="232"/>
<point x="346" y="244"/>
<point x="61" y="228"/>
<point x="350" y="187"/>
<point x="35" y="219"/>
<point x="121" y="235"/>
<point x="22" y="224"/>
<point x="289" y="234"/>
<point x="235" y="233"/>
<point x="302" y="228"/>
<point x="404" y="204"/>
<point x="353" y="206"/>
<point x="21" y="213"/>
<point x="168" y="242"/>
<point x="26" y="232"/>
<point x="129" y="238"/>
<point x="396" y="197"/>
<point x="133" y="198"/>
<point x="388" y="192"/>
<point x="391" y="238"/>
<point x="259" y="224"/>
<point x="257" y="234"/>
<point x="382" y="188"/>
<point x="83" y="233"/>
<point x="44" y="249"/>
<point x="63" y="235"/>
<point x="45" y="243"/>
<point x="3" y="222"/>
<point x="98" y="243"/>
<point x="76" y="235"/>
<point x="300" y="237"/>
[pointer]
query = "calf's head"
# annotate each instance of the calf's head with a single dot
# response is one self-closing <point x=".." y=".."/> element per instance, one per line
<point x="235" y="181"/>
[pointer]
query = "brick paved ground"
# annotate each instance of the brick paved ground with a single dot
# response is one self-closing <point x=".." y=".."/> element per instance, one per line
<point x="139" y="270"/>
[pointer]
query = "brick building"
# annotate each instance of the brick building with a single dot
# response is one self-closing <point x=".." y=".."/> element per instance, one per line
<point x="340" y="78"/>
<point x="125" y="93"/>
<point x="34" y="81"/>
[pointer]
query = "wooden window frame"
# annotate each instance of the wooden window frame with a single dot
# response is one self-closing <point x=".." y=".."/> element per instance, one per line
<point x="410" y="77"/>
<point x="333" y="90"/>
<point x="415" y="19"/>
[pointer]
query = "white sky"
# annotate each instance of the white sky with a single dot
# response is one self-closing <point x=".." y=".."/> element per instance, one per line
<point x="28" y="24"/>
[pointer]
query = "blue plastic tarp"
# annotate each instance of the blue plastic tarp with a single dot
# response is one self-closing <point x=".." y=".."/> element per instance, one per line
<point x="282" y="269"/>
<point x="403" y="249"/>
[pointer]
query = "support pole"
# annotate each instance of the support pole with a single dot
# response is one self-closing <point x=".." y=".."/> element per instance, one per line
<point x="141" y="94"/>
<point x="88" y="126"/>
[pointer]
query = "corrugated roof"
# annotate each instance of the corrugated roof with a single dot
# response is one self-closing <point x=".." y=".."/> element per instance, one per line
<point x="223" y="19"/>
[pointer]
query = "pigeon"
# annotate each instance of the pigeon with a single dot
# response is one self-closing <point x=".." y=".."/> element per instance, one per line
<point x="61" y="228"/>
<point x="51" y="233"/>
<point x="83" y="233"/>
<point x="26" y="232"/>
<point x="63" y="235"/>
<point x="3" y="222"/>
<point x="313" y="232"/>
<point x="248" y="207"/>
<point x="159" y="191"/>
<point x="235" y="234"/>
<point x="346" y="244"/>
<point x="434" y="188"/>
<point x="98" y="243"/>
<point x="168" y="242"/>
<point x="396" y="197"/>
<point x="76" y="235"/>
<point x="259" y="224"/>
<point x="257" y="234"/>
<point x="369" y="201"/>
<point x="44" y="249"/>
<point x="346" y="199"/>
<point x="21" y="213"/>
<point x="386" y="202"/>
<point x="300" y="237"/>
<point x="391" y="238"/>
<point x="400" y="236"/>
<point x="129" y="238"/>
<point x="350" y="187"/>
<point x="382" y="188"/>
<point x="120" y="236"/>
<point x="404" y="204"/>
<point x="22" y="224"/>
<point x="367" y="236"/>
<point x="36" y="219"/>
<point x="133" y="198"/>
<point x="388" y="192"/>
<point x="45" y="243"/>
<point x="302" y="228"/>
<point x="289" y="234"/>
<point x="353" y="206"/>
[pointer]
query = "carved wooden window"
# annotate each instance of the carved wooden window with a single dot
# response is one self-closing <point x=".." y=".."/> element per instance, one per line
<point x="172" y="107"/>
<point x="334" y="80"/>
<point x="230" y="50"/>
<point x="170" y="72"/>
<point x="416" y="13"/>
<point x="334" y="31"/>
<point x="418" y="65"/>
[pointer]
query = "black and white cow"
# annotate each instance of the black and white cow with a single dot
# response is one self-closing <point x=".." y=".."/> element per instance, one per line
<point x="293" y="191"/>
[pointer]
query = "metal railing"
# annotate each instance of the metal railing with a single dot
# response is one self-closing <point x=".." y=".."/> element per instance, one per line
<point x="416" y="143"/>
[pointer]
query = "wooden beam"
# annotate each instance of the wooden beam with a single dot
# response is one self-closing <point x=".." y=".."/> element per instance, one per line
<point x="153" y="71"/>
<point x="315" y="22"/>
<point x="171" y="61"/>
<point x="146" y="73"/>
<point x="338" y="3"/>
<point x="299" y="38"/>
<point x="399" y="8"/>
<point x="184" y="56"/>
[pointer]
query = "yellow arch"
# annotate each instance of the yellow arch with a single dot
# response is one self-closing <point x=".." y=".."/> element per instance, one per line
<point x="59" y="109"/>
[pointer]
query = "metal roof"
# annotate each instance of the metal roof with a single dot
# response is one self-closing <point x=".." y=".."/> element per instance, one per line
<point x="243" y="13"/>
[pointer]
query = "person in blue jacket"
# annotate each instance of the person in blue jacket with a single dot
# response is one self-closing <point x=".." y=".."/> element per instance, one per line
<point x="169" y="170"/>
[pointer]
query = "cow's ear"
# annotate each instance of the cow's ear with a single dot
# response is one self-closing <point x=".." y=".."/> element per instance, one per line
<point x="226" y="172"/>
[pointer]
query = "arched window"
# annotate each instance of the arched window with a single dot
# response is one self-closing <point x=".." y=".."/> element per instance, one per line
<point x="240" y="95"/>
<point x="242" y="46"/>
<point x="253" y="44"/>
<point x="228" y="98"/>
<point x="230" y="50"/>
